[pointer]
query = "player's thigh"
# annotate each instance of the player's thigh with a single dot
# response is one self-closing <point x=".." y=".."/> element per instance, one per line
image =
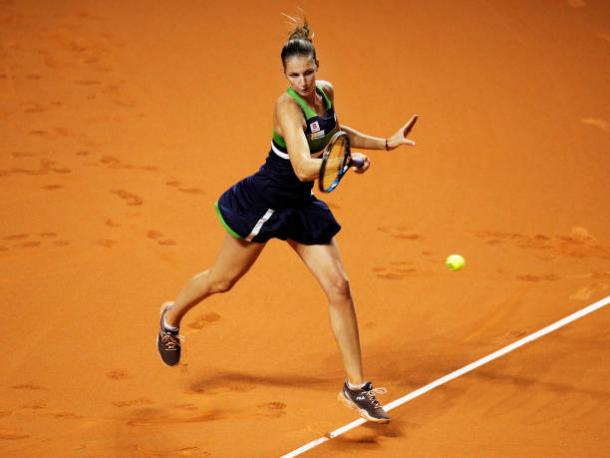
<point x="324" y="262"/>
<point x="235" y="258"/>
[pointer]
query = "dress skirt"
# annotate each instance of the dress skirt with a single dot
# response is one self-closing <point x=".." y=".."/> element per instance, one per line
<point x="273" y="203"/>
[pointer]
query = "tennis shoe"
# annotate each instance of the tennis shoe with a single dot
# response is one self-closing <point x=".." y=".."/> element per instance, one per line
<point x="168" y="340"/>
<point x="364" y="401"/>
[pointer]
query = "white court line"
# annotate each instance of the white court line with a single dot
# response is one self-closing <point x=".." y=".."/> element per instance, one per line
<point x="464" y="370"/>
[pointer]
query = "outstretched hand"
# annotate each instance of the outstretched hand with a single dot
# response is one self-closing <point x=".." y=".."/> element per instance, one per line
<point x="400" y="137"/>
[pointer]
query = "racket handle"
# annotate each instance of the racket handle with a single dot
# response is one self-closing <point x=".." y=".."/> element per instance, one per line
<point x="357" y="162"/>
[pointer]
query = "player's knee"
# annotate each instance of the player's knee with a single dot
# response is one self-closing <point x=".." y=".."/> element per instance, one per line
<point x="222" y="285"/>
<point x="339" y="289"/>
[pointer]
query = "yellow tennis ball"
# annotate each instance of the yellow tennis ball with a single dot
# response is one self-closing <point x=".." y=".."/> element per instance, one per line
<point x="455" y="262"/>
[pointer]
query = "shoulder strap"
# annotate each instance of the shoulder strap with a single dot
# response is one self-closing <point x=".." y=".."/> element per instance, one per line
<point x="329" y="104"/>
<point x="309" y="113"/>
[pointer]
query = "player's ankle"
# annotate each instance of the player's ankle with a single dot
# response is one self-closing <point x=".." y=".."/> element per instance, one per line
<point x="355" y="386"/>
<point x="168" y="321"/>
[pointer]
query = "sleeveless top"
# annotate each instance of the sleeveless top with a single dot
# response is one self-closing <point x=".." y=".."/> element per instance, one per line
<point x="319" y="129"/>
<point x="275" y="183"/>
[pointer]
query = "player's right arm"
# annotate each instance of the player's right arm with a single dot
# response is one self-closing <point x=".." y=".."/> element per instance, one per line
<point x="290" y="126"/>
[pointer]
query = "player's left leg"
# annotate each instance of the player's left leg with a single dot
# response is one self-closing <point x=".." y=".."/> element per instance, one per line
<point x="325" y="263"/>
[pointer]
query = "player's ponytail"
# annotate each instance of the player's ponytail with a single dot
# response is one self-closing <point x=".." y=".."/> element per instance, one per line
<point x="300" y="40"/>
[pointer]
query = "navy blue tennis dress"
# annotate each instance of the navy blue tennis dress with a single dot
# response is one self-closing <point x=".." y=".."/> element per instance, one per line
<point x="274" y="203"/>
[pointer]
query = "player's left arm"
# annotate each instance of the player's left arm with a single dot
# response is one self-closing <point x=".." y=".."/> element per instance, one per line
<point x="364" y="141"/>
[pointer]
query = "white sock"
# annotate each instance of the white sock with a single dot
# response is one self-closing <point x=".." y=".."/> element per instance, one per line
<point x="355" y="387"/>
<point x="169" y="327"/>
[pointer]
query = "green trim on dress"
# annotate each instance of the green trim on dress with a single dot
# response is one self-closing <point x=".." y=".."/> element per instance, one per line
<point x="314" y="145"/>
<point x="224" y="223"/>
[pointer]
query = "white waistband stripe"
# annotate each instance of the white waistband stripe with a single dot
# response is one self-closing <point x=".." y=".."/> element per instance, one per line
<point x="278" y="152"/>
<point x="259" y="224"/>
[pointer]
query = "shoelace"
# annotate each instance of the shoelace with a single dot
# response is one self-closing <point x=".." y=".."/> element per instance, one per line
<point x="371" y="395"/>
<point x="170" y="341"/>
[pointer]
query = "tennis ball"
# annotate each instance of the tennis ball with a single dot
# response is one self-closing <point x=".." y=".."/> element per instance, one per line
<point x="455" y="262"/>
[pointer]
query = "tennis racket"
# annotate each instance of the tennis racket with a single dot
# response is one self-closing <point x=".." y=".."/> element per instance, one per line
<point x="336" y="161"/>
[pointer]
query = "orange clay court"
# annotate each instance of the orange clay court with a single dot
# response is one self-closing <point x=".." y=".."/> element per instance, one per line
<point x="122" y="122"/>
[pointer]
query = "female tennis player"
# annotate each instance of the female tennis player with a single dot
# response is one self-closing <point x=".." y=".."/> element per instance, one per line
<point x="277" y="202"/>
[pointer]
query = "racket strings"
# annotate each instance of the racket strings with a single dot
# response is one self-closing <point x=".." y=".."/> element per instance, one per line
<point x="334" y="164"/>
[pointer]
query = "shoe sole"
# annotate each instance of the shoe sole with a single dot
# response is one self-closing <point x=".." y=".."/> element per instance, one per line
<point x="165" y="304"/>
<point x="363" y="413"/>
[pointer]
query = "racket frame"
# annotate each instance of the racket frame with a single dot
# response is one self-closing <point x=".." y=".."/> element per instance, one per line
<point x="347" y="161"/>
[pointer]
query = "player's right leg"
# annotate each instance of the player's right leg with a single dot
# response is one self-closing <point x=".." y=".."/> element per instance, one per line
<point x="234" y="260"/>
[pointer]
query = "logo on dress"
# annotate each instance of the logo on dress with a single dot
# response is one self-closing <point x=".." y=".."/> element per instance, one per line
<point x="315" y="126"/>
<point x="317" y="135"/>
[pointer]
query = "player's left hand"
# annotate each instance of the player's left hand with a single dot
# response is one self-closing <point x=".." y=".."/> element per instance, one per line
<point x="366" y="162"/>
<point x="400" y="137"/>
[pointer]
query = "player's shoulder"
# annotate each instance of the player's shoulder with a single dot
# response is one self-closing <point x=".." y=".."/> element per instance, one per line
<point x="285" y="102"/>
<point x="285" y="105"/>
<point x="327" y="87"/>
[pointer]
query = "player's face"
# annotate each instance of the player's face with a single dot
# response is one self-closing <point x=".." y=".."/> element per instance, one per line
<point x="301" y="74"/>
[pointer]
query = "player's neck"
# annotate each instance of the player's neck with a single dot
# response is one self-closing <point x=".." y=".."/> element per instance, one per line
<point x="313" y="100"/>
